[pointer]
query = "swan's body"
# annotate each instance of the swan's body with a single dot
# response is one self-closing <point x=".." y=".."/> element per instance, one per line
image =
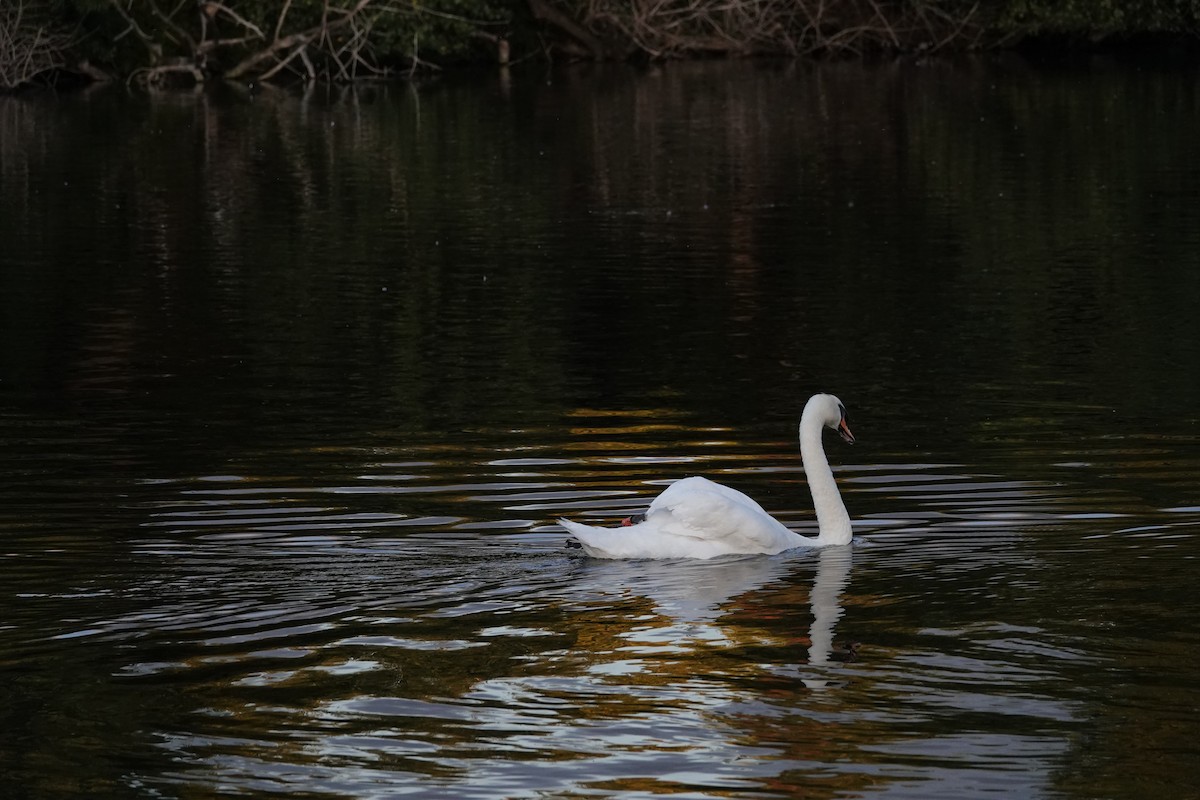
<point x="697" y="518"/>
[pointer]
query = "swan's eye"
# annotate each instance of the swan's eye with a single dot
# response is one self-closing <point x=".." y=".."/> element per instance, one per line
<point x="842" y="410"/>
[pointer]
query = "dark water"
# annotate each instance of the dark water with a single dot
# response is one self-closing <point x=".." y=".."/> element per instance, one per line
<point x="292" y="388"/>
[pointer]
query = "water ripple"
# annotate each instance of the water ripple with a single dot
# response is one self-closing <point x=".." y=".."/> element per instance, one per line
<point x="425" y="615"/>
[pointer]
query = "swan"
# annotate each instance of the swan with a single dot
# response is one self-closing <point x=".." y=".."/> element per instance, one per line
<point x="697" y="518"/>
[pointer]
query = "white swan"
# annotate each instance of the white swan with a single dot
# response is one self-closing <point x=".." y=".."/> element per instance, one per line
<point x="696" y="518"/>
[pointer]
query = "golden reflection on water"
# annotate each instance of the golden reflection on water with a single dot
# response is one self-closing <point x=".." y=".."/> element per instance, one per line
<point x="296" y="637"/>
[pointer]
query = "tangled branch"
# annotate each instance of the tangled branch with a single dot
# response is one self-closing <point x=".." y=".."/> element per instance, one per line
<point x="333" y="40"/>
<point x="29" y="46"/>
<point x="671" y="28"/>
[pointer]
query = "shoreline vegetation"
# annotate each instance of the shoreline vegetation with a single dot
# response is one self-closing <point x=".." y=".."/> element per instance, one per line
<point x="187" y="43"/>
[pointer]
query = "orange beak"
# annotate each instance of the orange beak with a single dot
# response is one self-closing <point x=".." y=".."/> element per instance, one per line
<point x="844" y="430"/>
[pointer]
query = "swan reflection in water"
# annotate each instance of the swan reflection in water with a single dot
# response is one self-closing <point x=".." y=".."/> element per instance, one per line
<point x="693" y="598"/>
<point x="825" y="601"/>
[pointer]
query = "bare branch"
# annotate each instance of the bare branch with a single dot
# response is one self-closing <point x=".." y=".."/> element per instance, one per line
<point x="180" y="33"/>
<point x="220" y="8"/>
<point x="886" y="25"/>
<point x="152" y="76"/>
<point x="154" y="47"/>
<point x="299" y="52"/>
<point x="213" y="44"/>
<point x="319" y="32"/>
<point x="249" y="64"/>
<point x="279" y="22"/>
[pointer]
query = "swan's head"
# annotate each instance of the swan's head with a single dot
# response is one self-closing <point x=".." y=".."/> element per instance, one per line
<point x="831" y="413"/>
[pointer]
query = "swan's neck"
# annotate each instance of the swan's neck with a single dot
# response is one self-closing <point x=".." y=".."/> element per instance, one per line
<point x="832" y="518"/>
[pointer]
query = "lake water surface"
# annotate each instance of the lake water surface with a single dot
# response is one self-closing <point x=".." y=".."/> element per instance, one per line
<point x="293" y="388"/>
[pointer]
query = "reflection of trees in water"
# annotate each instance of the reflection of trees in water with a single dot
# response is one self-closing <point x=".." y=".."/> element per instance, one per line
<point x="528" y="238"/>
<point x="525" y="240"/>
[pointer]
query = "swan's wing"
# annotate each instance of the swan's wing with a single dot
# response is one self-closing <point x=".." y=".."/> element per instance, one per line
<point x="697" y="483"/>
<point x="692" y="518"/>
<point x="697" y="508"/>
